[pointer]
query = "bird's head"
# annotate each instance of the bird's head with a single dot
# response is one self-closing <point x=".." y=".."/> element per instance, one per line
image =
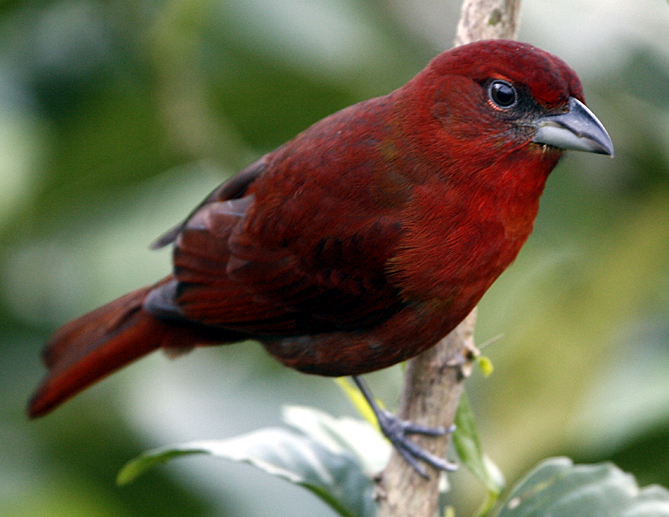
<point x="496" y="97"/>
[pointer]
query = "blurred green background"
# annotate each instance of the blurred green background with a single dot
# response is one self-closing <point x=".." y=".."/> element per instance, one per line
<point x="118" y="116"/>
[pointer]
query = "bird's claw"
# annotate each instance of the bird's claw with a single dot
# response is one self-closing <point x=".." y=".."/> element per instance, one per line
<point x="397" y="431"/>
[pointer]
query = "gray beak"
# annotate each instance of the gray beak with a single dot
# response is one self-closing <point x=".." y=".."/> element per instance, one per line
<point x="576" y="130"/>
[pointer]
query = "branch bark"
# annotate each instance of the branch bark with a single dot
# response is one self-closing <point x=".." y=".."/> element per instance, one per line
<point x="433" y="382"/>
<point x="487" y="19"/>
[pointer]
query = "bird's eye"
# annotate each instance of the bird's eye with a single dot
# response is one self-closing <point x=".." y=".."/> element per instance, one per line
<point x="502" y="94"/>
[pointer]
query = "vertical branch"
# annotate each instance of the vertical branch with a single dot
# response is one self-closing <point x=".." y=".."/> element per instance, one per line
<point x="433" y="381"/>
<point x="487" y="19"/>
<point x="432" y="387"/>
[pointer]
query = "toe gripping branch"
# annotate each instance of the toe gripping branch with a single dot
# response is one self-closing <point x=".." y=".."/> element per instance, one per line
<point x="398" y="431"/>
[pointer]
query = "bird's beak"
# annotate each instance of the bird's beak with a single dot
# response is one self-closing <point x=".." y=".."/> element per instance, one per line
<point x="576" y="130"/>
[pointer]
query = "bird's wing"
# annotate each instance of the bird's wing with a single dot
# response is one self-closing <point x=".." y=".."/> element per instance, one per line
<point x="233" y="269"/>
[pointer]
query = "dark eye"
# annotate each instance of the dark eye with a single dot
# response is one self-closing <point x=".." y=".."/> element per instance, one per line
<point x="502" y="94"/>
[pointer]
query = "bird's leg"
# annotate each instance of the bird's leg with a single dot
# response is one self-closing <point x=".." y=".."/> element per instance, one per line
<point x="397" y="431"/>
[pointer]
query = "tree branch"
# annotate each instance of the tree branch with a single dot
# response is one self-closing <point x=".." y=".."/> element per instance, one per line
<point x="434" y="380"/>
<point x="487" y="19"/>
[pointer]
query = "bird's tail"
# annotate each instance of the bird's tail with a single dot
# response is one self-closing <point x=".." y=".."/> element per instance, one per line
<point x="91" y="347"/>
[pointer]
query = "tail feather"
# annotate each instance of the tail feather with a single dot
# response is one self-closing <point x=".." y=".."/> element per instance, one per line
<point x="91" y="347"/>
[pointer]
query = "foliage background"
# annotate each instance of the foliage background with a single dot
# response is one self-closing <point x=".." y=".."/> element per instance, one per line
<point x="117" y="116"/>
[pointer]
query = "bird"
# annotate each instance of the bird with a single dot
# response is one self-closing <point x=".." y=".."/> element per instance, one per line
<point x="362" y="241"/>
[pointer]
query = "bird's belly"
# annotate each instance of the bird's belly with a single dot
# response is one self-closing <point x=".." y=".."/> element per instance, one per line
<point x="403" y="336"/>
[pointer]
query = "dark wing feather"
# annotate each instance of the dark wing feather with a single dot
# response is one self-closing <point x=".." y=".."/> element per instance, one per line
<point x="234" y="188"/>
<point x="226" y="278"/>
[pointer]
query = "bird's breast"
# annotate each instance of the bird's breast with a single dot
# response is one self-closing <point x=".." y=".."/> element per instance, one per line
<point x="458" y="242"/>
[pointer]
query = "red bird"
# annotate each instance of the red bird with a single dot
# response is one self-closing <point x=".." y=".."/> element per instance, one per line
<point x="365" y="239"/>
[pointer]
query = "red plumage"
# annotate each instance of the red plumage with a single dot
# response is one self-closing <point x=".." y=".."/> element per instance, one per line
<point x="366" y="238"/>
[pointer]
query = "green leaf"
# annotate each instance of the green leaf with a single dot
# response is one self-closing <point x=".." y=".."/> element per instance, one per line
<point x="343" y="434"/>
<point x="468" y="446"/>
<point x="336" y="478"/>
<point x="149" y="459"/>
<point x="558" y="488"/>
